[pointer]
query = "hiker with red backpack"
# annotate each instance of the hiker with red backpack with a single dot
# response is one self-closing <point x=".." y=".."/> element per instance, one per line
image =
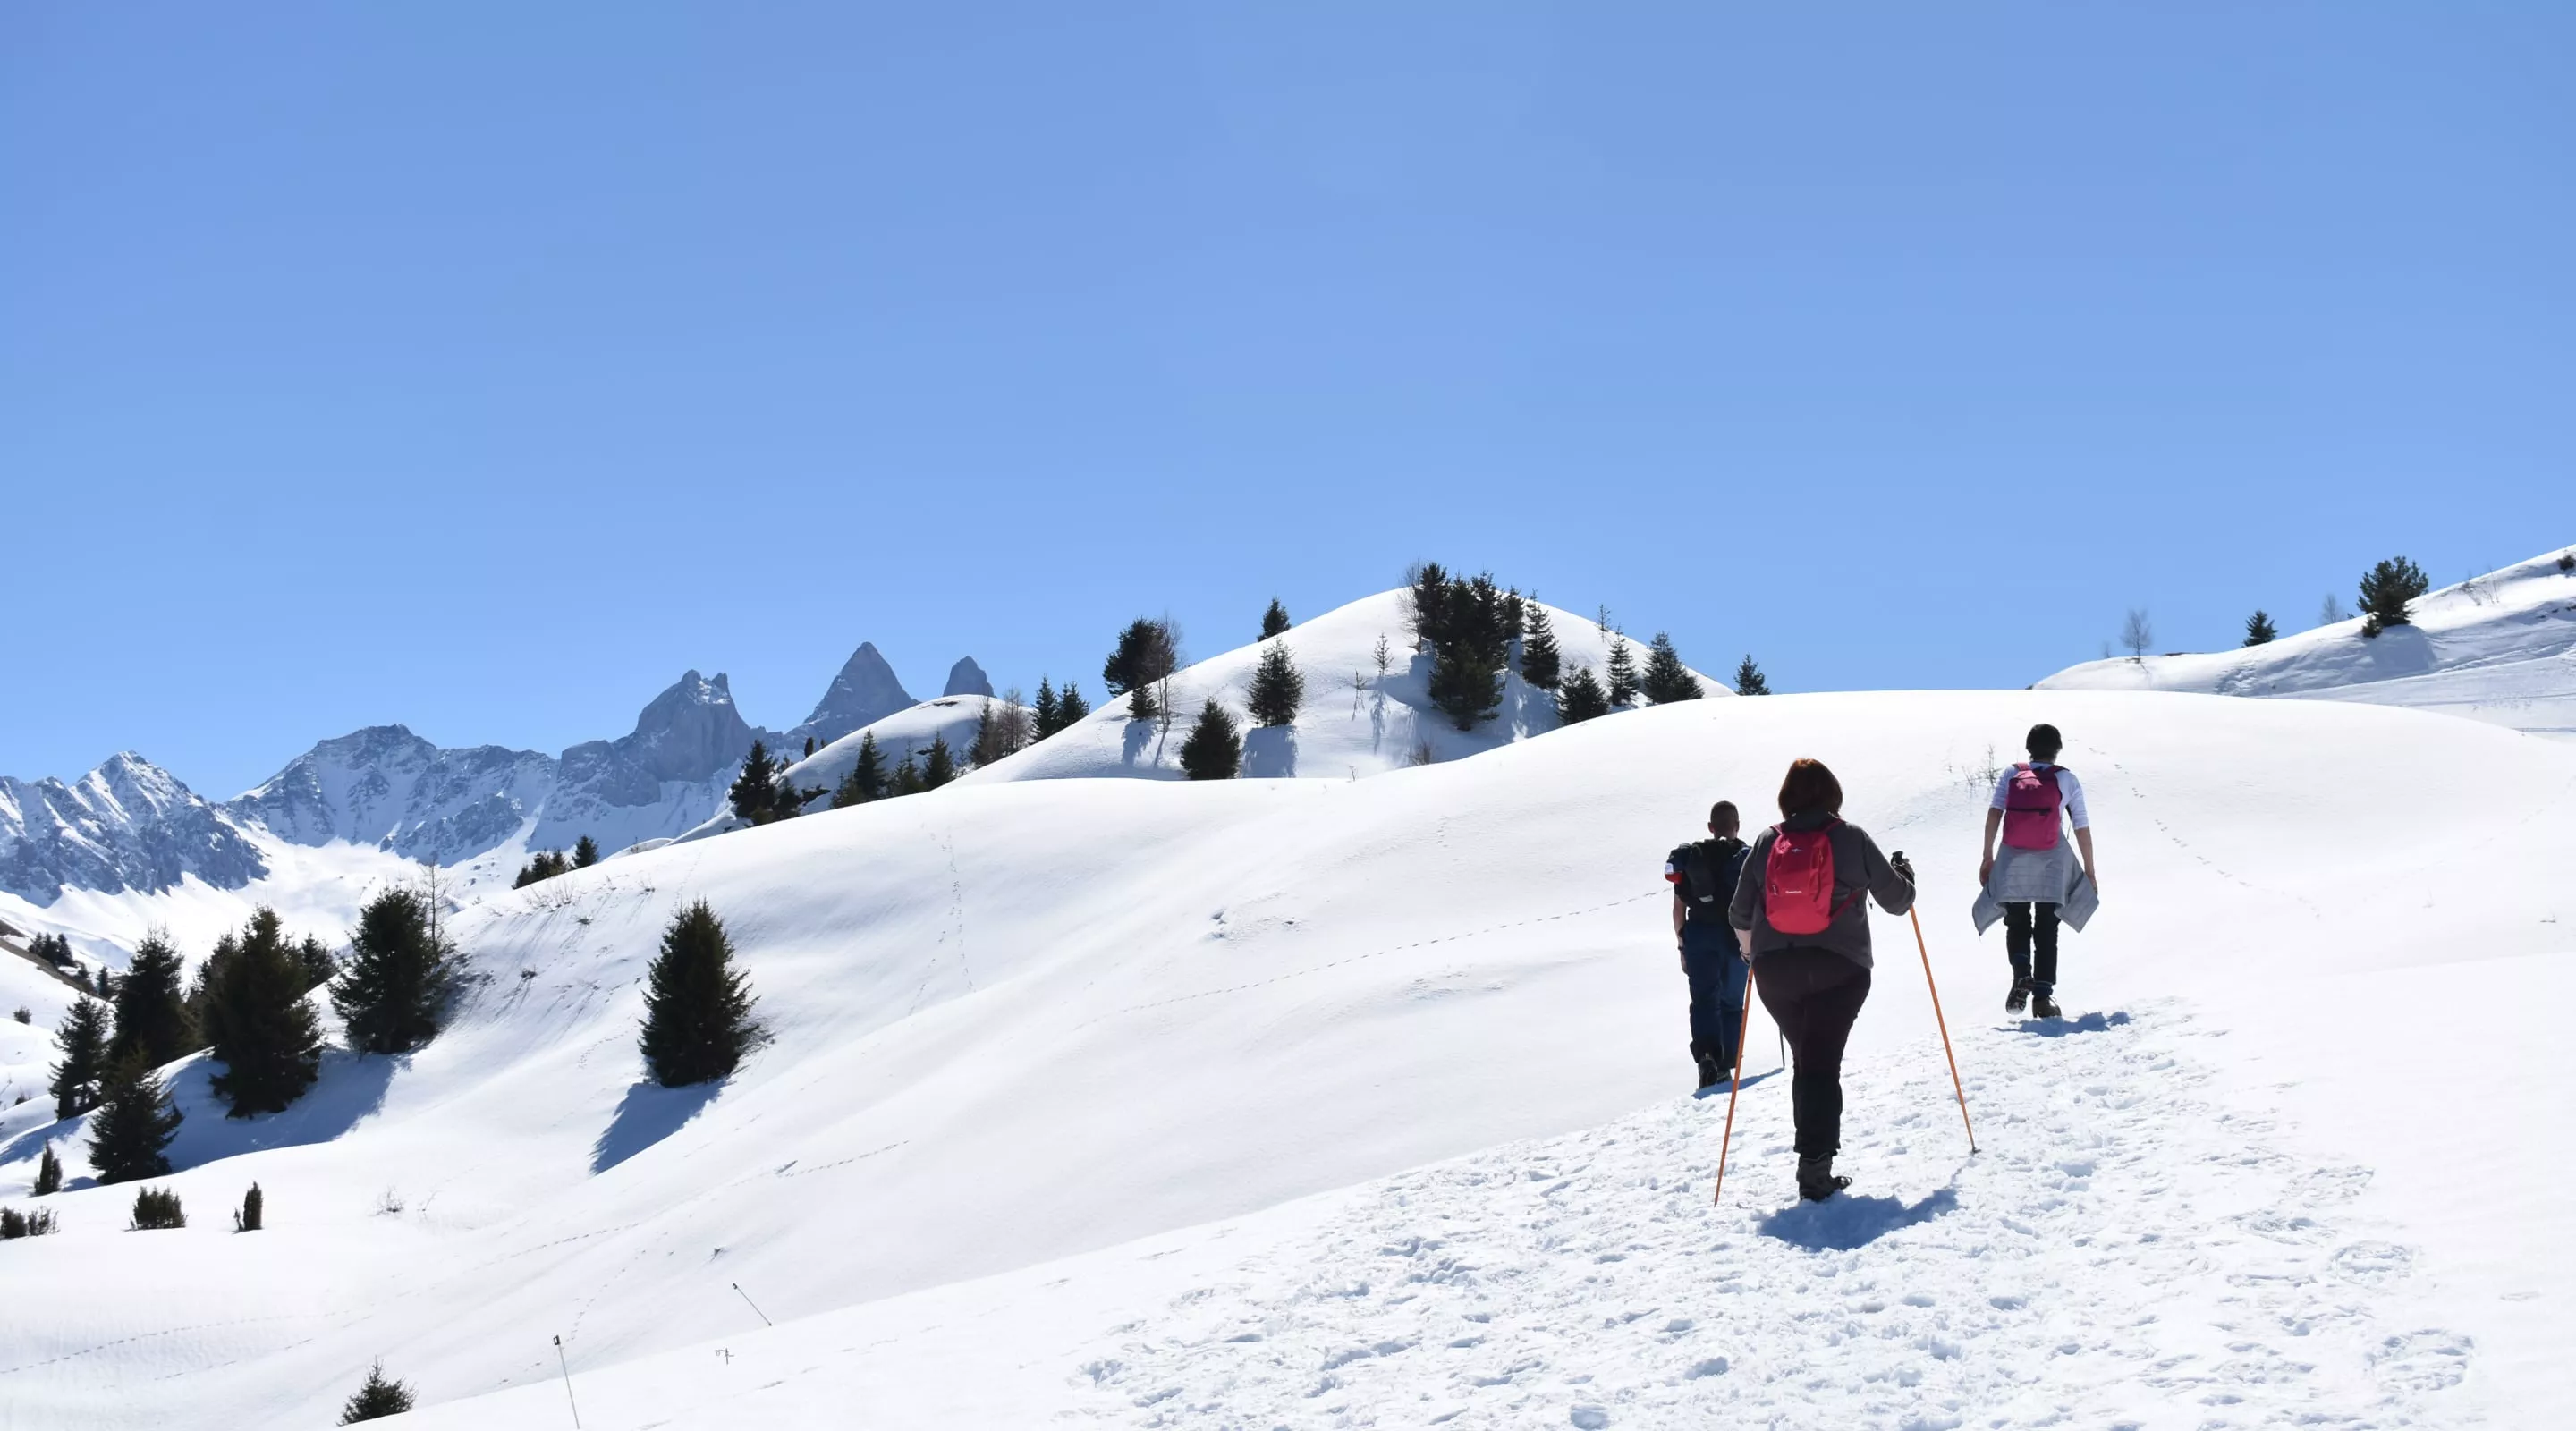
<point x="2032" y="884"/>
<point x="1703" y="875"/>
<point x="1802" y="917"/>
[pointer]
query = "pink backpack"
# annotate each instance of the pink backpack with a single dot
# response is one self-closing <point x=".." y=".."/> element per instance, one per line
<point x="2031" y="805"/>
<point x="1798" y="880"/>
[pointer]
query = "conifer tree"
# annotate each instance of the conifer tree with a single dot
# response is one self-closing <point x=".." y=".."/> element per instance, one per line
<point x="1426" y="604"/>
<point x="2386" y="591"/>
<point x="907" y="777"/>
<point x="151" y="1013"/>
<point x="1540" y="660"/>
<point x="379" y="1397"/>
<point x="939" y="766"/>
<point x="1001" y="730"/>
<point x="393" y="996"/>
<point x="585" y="853"/>
<point x="697" y="1006"/>
<point x="49" y="1174"/>
<point x="313" y="957"/>
<point x="156" y="1210"/>
<point x="787" y="799"/>
<point x="809" y="747"/>
<point x="1667" y="679"/>
<point x="1622" y="682"/>
<point x="1148" y="652"/>
<point x="867" y="778"/>
<point x="1045" y="709"/>
<point x="1515" y="613"/>
<point x="259" y="1026"/>
<point x="1749" y="680"/>
<point x="1214" y="750"/>
<point x="252" y="1211"/>
<point x="200" y="998"/>
<point x="81" y="1039"/>
<point x="541" y="866"/>
<point x="757" y="786"/>
<point x="1278" y="687"/>
<point x="1579" y="698"/>
<point x="1070" y="707"/>
<point x="1467" y="666"/>
<point x="1275" y="620"/>
<point x="133" y="1124"/>
<point x="2259" y="630"/>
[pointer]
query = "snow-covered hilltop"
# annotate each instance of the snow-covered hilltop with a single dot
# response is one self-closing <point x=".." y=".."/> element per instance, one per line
<point x="2499" y="648"/>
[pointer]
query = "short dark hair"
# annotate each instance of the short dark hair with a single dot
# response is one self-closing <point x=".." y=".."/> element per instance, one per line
<point x="2043" y="742"/>
<point x="1810" y="789"/>
<point x="1722" y="816"/>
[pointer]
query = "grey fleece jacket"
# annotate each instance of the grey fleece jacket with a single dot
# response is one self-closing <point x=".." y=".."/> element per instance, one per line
<point x="1858" y="867"/>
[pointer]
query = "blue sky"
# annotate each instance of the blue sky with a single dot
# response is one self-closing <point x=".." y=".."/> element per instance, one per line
<point x="483" y="366"/>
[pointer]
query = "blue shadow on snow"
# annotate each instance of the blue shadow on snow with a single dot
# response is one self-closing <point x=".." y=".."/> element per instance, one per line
<point x="1843" y="1222"/>
<point x="1270" y="750"/>
<point x="1719" y="1090"/>
<point x="350" y="1088"/>
<point x="645" y="1116"/>
<point x="2060" y="1028"/>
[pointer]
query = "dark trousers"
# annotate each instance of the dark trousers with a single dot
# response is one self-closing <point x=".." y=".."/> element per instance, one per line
<point x="2021" y="932"/>
<point x="1813" y="995"/>
<point x="1716" y="999"/>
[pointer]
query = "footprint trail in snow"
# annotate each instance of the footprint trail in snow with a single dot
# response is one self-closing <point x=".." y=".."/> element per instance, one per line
<point x="2125" y="1252"/>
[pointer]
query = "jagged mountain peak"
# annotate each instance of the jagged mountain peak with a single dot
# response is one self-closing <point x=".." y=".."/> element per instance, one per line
<point x="863" y="693"/>
<point x="967" y="679"/>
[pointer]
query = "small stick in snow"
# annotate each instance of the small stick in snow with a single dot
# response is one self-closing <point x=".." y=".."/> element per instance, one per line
<point x="755" y="1306"/>
<point x="567" y="1378"/>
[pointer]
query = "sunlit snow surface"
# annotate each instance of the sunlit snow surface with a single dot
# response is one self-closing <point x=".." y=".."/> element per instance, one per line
<point x="1076" y="1082"/>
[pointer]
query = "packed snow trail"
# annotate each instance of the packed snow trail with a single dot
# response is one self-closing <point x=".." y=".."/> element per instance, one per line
<point x="2132" y="1249"/>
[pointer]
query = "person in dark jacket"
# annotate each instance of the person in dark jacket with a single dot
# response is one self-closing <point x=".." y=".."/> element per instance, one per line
<point x="1814" y="984"/>
<point x="1703" y="876"/>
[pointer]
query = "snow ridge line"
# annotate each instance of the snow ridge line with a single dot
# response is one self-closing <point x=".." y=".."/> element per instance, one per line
<point x="1372" y="954"/>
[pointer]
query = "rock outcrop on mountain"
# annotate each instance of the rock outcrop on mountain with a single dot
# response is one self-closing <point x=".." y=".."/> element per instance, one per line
<point x="128" y="825"/>
<point x="967" y="679"/>
<point x="864" y="693"/>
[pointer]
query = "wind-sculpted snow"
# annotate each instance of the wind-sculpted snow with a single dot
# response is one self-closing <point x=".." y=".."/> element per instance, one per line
<point x="2499" y="648"/>
<point x="1017" y="1023"/>
<point x="128" y="825"/>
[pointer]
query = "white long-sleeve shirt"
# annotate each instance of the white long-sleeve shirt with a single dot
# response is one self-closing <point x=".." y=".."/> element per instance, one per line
<point x="2069" y="789"/>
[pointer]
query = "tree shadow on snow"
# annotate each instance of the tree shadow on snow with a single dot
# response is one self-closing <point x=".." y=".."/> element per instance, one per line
<point x="1132" y="743"/>
<point x="2060" y="1028"/>
<point x="645" y="1116"/>
<point x="1843" y="1222"/>
<point x="1270" y="750"/>
<point x="352" y="1086"/>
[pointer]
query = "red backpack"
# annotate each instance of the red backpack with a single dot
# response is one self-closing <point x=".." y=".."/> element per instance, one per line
<point x="2031" y="804"/>
<point x="1798" y="880"/>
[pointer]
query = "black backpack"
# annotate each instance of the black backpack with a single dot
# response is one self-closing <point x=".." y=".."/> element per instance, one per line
<point x="1709" y="871"/>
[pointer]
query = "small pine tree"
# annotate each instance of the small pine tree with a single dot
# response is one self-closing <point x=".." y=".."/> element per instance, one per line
<point x="1749" y="680"/>
<point x="151" y="1012"/>
<point x="757" y="785"/>
<point x="15" y="1224"/>
<point x="2567" y="563"/>
<point x="379" y="1397"/>
<point x="867" y="778"/>
<point x="313" y="957"/>
<point x="1070" y="706"/>
<point x="697" y="1006"/>
<point x="1579" y="698"/>
<point x="1148" y="651"/>
<point x="394" y="995"/>
<point x="1426" y="605"/>
<point x="1214" y="750"/>
<point x="1278" y="687"/>
<point x="81" y="1039"/>
<point x="247" y="1217"/>
<point x="200" y="998"/>
<point x="133" y="1125"/>
<point x="1540" y="661"/>
<point x="1622" y="683"/>
<point x="1045" y="710"/>
<point x="1667" y="679"/>
<point x="49" y="1174"/>
<point x="156" y="1210"/>
<point x="809" y="747"/>
<point x="1275" y="620"/>
<point x="787" y="799"/>
<point x="585" y="853"/>
<point x="2259" y="629"/>
<point x="2386" y="592"/>
<point x="543" y="865"/>
<point x="907" y="777"/>
<point x="940" y="765"/>
<point x="259" y="1026"/>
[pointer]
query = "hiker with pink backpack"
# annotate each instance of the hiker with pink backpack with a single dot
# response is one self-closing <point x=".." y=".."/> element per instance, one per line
<point x="2032" y="883"/>
<point x="1801" y="914"/>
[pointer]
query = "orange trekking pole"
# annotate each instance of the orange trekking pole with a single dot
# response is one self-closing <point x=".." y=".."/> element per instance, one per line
<point x="1955" y="1085"/>
<point x="1728" y="1139"/>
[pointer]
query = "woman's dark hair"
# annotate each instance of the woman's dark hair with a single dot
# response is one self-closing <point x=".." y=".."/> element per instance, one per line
<point x="1811" y="789"/>
<point x="2043" y="742"/>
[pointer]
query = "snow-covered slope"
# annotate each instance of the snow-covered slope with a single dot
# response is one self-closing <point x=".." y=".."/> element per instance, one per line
<point x="1357" y="719"/>
<point x="907" y="732"/>
<point x="2500" y="648"/>
<point x="128" y="825"/>
<point x="1020" y="1022"/>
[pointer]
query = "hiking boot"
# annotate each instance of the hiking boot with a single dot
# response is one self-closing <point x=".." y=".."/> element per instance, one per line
<point x="1710" y="1075"/>
<point x="2019" y="998"/>
<point x="1817" y="1180"/>
<point x="2044" y="1006"/>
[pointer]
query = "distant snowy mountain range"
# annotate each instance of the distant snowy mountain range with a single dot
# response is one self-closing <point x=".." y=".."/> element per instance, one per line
<point x="131" y="826"/>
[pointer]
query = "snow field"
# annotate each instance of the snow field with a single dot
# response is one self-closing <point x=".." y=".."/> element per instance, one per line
<point x="1019" y="1022"/>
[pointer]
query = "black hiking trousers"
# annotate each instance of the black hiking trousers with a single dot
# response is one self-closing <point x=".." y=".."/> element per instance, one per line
<point x="1813" y="995"/>
<point x="2026" y="925"/>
